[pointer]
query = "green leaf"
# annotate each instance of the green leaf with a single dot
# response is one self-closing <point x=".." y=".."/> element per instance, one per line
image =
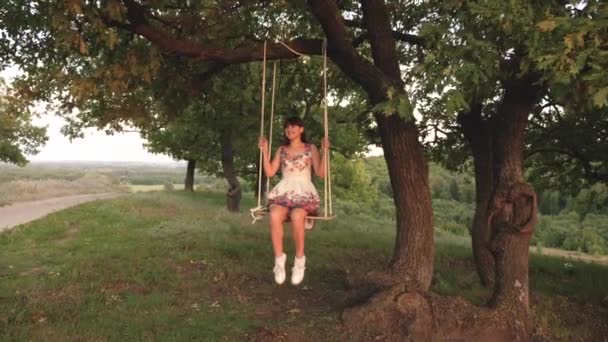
<point x="455" y="102"/>
<point x="600" y="98"/>
<point x="389" y="109"/>
<point x="404" y="107"/>
<point x="547" y="25"/>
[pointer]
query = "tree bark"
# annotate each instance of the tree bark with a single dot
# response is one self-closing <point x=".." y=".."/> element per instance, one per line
<point x="506" y="205"/>
<point x="400" y="313"/>
<point x="413" y="255"/>
<point x="512" y="212"/>
<point x="234" y="193"/>
<point x="478" y="134"/>
<point x="189" y="182"/>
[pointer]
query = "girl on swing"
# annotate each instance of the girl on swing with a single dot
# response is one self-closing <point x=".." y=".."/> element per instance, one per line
<point x="294" y="197"/>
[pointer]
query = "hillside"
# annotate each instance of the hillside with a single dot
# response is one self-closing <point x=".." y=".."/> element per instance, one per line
<point x="171" y="265"/>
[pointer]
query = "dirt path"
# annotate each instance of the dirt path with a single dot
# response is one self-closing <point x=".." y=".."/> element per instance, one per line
<point x="20" y="213"/>
<point x="598" y="259"/>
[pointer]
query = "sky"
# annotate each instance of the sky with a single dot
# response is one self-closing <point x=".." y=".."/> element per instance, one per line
<point x="96" y="145"/>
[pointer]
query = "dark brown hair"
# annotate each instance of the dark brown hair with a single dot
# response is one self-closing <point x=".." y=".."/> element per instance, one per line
<point x="294" y="121"/>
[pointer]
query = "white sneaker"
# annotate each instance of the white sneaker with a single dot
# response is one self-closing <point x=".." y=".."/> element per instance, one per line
<point x="297" y="272"/>
<point x="279" y="269"/>
<point x="309" y="224"/>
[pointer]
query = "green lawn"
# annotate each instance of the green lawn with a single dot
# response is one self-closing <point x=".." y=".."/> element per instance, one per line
<point x="177" y="266"/>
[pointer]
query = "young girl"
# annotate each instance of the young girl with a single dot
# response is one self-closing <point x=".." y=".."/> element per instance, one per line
<point x="294" y="197"/>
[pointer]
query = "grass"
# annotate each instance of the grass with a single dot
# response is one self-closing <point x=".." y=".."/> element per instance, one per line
<point x="176" y="266"/>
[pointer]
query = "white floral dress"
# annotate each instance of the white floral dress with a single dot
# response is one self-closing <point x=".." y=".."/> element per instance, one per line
<point x="295" y="190"/>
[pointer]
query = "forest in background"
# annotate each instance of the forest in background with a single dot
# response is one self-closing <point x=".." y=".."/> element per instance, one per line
<point x="575" y="222"/>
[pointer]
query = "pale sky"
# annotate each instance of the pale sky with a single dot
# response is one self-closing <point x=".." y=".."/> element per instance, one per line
<point x="96" y="145"/>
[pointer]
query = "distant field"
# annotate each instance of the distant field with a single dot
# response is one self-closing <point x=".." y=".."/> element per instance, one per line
<point x="42" y="180"/>
<point x="31" y="190"/>
<point x="132" y="173"/>
<point x="158" y="187"/>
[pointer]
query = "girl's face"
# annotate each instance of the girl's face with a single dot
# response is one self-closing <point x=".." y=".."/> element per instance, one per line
<point x="293" y="132"/>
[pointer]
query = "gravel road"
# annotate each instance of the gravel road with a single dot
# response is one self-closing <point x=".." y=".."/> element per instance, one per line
<point x="24" y="212"/>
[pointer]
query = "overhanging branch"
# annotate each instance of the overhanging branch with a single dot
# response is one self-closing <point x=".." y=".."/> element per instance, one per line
<point x="377" y="23"/>
<point x="343" y="53"/>
<point x="397" y="35"/>
<point x="138" y="23"/>
<point x="400" y="36"/>
<point x="340" y="49"/>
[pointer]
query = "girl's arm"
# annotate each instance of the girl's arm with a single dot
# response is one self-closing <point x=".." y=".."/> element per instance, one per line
<point x="270" y="168"/>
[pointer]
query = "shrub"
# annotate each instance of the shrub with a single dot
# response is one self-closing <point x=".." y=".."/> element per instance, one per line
<point x="455" y="228"/>
<point x="449" y="210"/>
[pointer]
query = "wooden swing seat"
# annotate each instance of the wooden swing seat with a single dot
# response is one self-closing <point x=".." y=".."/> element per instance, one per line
<point x="260" y="211"/>
<point x="265" y="212"/>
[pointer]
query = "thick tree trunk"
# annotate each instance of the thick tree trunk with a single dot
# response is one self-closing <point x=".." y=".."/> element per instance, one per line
<point x="405" y="311"/>
<point x="413" y="255"/>
<point x="479" y="136"/>
<point x="412" y="261"/>
<point x="189" y="182"/>
<point x="399" y="313"/>
<point x="234" y="193"/>
<point x="512" y="213"/>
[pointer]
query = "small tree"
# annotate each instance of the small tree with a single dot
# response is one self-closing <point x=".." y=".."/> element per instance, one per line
<point x="18" y="137"/>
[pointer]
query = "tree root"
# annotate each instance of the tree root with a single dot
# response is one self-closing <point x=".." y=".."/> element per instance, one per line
<point x="396" y="314"/>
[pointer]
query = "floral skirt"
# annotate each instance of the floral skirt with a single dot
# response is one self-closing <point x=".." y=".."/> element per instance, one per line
<point x="295" y="193"/>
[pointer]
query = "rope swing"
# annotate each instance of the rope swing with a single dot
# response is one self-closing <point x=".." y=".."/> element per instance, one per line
<point x="258" y="212"/>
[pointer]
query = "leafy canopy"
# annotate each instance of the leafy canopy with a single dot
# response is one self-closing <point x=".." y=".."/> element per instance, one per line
<point x="18" y="136"/>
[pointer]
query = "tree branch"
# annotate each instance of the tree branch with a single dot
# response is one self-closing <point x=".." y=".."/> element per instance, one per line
<point x="409" y="38"/>
<point x="138" y="23"/>
<point x="397" y="35"/>
<point x="342" y="52"/>
<point x="146" y="131"/>
<point x="436" y="127"/>
<point x="340" y="49"/>
<point x="376" y="20"/>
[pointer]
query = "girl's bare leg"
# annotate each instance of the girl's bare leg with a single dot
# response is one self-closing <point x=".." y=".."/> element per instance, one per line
<point x="298" y="217"/>
<point x="277" y="217"/>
